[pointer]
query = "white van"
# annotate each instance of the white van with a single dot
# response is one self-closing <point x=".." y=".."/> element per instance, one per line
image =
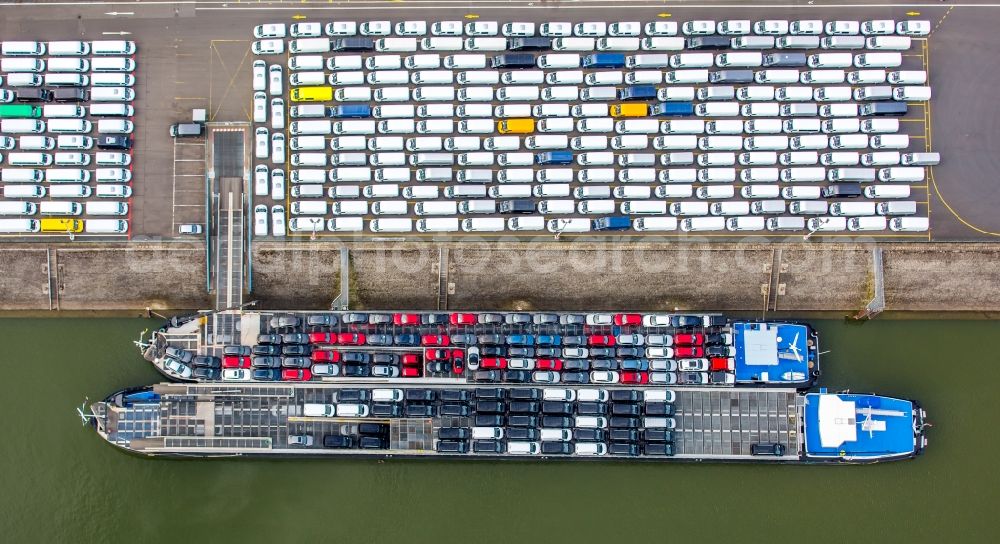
<point x="746" y="59"/>
<point x="67" y="175"/>
<point x="760" y="191"/>
<point x="801" y="193"/>
<point x="434" y="94"/>
<point x="41" y="143"/>
<point x="23" y="65"/>
<point x="751" y="223"/>
<point x="655" y="224"/>
<point x="21" y="126"/>
<point x="731" y="207"/>
<point x="443" y="43"/>
<point x="390" y="225"/>
<point x="909" y="224"/>
<point x="526" y="223"/>
<point x="559" y="61"/>
<point x="438" y="224"/>
<point x="23" y="191"/>
<point x="112" y="110"/>
<point x="105" y="208"/>
<point x="50" y="207"/>
<point x="908" y="174"/>
<point x="464" y="62"/>
<point x="112" y="47"/>
<point x="13" y="48"/>
<point x="865" y="223"/>
<point x="698" y="224"/>
<point x="887" y="191"/>
<point x="15" y="208"/>
<point x="111" y="94"/>
<point x="808" y="207"/>
<point x="912" y="93"/>
<point x="852" y="208"/>
<point x="483" y="224"/>
<point x="21" y="175"/>
<point x="105" y="226"/>
<point x="68" y="65"/>
<point x="309" y="207"/>
<point x="803" y="174"/>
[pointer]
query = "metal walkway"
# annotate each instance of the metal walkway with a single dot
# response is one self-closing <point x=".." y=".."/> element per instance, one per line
<point x="724" y="423"/>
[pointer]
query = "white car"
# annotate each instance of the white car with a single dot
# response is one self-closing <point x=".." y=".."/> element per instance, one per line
<point x="260" y="220"/>
<point x="575" y="353"/>
<point x="447" y="28"/>
<point x="277" y="114"/>
<point x="656" y="320"/>
<point x="593" y="29"/>
<point x="259" y="107"/>
<point x="306" y="30"/>
<point x="663" y="378"/>
<point x="261" y="187"/>
<point x="326" y="369"/>
<point x="604" y="376"/>
<point x="659" y="340"/>
<point x="178" y="368"/>
<point x="341" y="28"/>
<point x="600" y="319"/>
<point x="520" y="363"/>
<point x="278" y="220"/>
<point x="278" y="148"/>
<point x="518" y="30"/>
<point x="278" y="184"/>
<point x="693" y="365"/>
<point x="631" y="339"/>
<point x="659" y="352"/>
<point x="273" y="30"/>
<point x="481" y="28"/>
<point x="411" y="28"/>
<point x="662" y="365"/>
<point x="274" y="80"/>
<point x="261" y="139"/>
<point x="259" y="75"/>
<point x="236" y="375"/>
<point x="268" y="47"/>
<point x="631" y="28"/>
<point x="545" y="376"/>
<point x="376" y="28"/>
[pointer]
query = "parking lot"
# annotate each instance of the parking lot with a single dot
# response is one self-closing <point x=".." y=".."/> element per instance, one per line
<point x="67" y="122"/>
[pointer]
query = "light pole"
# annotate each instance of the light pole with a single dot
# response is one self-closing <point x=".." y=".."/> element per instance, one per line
<point x="819" y="224"/>
<point x="315" y="221"/>
<point x="560" y="226"/>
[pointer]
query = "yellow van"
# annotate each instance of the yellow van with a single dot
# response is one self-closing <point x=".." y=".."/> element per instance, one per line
<point x="629" y="110"/>
<point x="62" y="225"/>
<point x="516" y="126"/>
<point x="312" y="94"/>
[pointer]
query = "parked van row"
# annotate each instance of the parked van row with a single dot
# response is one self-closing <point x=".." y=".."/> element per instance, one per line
<point x="67" y="48"/>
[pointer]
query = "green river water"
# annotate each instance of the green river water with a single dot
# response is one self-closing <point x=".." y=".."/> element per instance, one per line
<point x="61" y="483"/>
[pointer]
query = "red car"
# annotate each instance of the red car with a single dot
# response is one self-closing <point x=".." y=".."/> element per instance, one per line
<point x="695" y="339"/>
<point x="601" y="340"/>
<point x="235" y="362"/>
<point x="320" y="338"/>
<point x="434" y="340"/>
<point x="457" y="362"/>
<point x="325" y="357"/>
<point x="463" y="319"/>
<point x="411" y="372"/>
<point x="635" y="378"/>
<point x="405" y="319"/>
<point x="296" y="375"/>
<point x="548" y="364"/>
<point x="411" y="359"/>
<point x="688" y="352"/>
<point x="717" y="364"/>
<point x="490" y="362"/>
<point x="628" y="319"/>
<point x="437" y="354"/>
<point x="351" y="338"/>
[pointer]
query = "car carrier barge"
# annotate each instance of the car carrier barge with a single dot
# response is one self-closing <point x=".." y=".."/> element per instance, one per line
<point x="498" y="421"/>
<point x="485" y="347"/>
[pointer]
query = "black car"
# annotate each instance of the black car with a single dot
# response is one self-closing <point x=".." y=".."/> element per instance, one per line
<point x="458" y="410"/>
<point x="557" y="408"/>
<point x="487" y="446"/>
<point x="524" y="393"/>
<point x="719" y="351"/>
<point x="384" y="358"/>
<point x="517" y="376"/>
<point x="295" y="338"/>
<point x="422" y="395"/>
<point x="373" y="443"/>
<point x="418" y="410"/>
<point x="557" y="422"/>
<point x="453" y="433"/>
<point x="452" y="446"/>
<point x="574" y="365"/>
<point x="493" y="351"/>
<point x="266" y="349"/>
<point x="591" y="408"/>
<point x="575" y="377"/>
<point x="658" y="435"/>
<point x="206" y="361"/>
<point x="385" y="409"/>
<point x="355" y="318"/>
<point x="522" y="433"/>
<point x="653" y="448"/>
<point x="692" y="378"/>
<point x="543" y="352"/>
<point x="685" y="321"/>
<point x="623" y="435"/>
<point x="715" y="339"/>
<point x="486" y="376"/>
<point x="206" y="373"/>
<point x="238" y="351"/>
<point x="574" y="340"/>
<point x="557" y="448"/>
<point x="321" y="320"/>
<point x="352" y="395"/>
<point x="624" y="422"/>
<point x="295" y="362"/>
<point x="659" y="409"/>
<point x="488" y="420"/>
<point x="379" y="339"/>
<point x="517" y="319"/>
<point x="625" y="409"/>
<point x="521" y="352"/>
<point x="522" y="421"/>
<point x="624" y="395"/>
<point x="490" y="407"/>
<point x="523" y="407"/>
<point x="588" y="435"/>
<point x="623" y="448"/>
<point x="379" y="429"/>
<point x="628" y="352"/>
<point x="337" y="441"/>
<point x="266" y="362"/>
<point x="489" y="393"/>
<point x="297" y="350"/>
<point x="359" y="357"/>
<point x="603" y="364"/>
<point x="354" y="371"/>
<point x="453" y="395"/>
<point x="599" y="352"/>
<point x="105" y="141"/>
<point x="777" y="450"/>
<point x="266" y="374"/>
<point x="713" y="320"/>
<point x="463" y="339"/>
<point x="268" y="338"/>
<point x="439" y="367"/>
<point x="434" y="319"/>
<point x="407" y="340"/>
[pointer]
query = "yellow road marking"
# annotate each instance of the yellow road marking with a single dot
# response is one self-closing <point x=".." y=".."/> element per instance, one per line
<point x="663" y="15"/>
<point x="913" y="13"/>
<point x="471" y="16"/>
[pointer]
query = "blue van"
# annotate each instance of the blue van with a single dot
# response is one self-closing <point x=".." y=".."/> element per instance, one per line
<point x="351" y="110"/>
<point x="666" y="109"/>
<point x="521" y="340"/>
<point x="554" y="157"/>
<point x="614" y="222"/>
<point x="604" y="60"/>
<point x="637" y="92"/>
